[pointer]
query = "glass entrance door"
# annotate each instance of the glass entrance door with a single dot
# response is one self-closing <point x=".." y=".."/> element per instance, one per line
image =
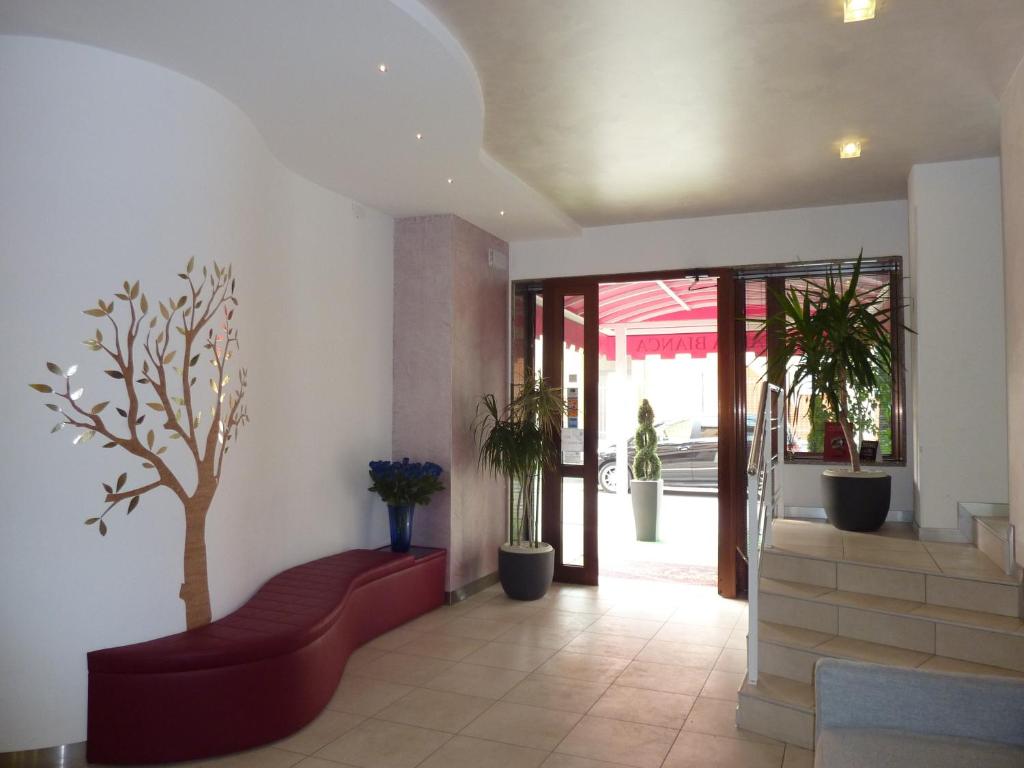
<point x="570" y="325"/>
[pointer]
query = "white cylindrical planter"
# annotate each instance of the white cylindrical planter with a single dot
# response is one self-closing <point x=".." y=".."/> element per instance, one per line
<point x="646" y="508"/>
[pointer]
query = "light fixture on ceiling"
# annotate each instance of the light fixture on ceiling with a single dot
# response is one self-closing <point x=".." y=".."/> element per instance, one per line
<point x="451" y="180"/>
<point x="858" y="10"/>
<point x="849" y="149"/>
<point x="501" y="213"/>
<point x="382" y="68"/>
<point x="419" y="136"/>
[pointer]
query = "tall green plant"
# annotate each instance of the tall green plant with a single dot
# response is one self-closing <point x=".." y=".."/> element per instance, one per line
<point x="840" y="335"/>
<point x="646" y="462"/>
<point x="516" y="442"/>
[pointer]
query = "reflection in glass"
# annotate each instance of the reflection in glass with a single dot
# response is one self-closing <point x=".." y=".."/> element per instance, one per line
<point x="572" y="521"/>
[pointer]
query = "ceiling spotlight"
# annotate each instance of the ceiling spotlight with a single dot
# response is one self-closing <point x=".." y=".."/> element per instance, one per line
<point x="858" y="10"/>
<point x="382" y="67"/>
<point x="849" y="149"/>
<point x="419" y="136"/>
<point x="451" y="180"/>
<point x="501" y="213"/>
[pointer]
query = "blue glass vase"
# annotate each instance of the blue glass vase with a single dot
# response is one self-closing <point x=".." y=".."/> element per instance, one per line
<point x="401" y="526"/>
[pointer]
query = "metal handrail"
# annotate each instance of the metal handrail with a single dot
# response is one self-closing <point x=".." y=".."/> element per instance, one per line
<point x="764" y="502"/>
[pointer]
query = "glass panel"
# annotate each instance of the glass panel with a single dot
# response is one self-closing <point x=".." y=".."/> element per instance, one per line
<point x="572" y="381"/>
<point x="572" y="521"/>
<point x="871" y="410"/>
<point x="756" y="352"/>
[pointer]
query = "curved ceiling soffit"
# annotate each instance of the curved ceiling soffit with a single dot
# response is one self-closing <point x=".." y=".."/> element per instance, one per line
<point x="309" y="83"/>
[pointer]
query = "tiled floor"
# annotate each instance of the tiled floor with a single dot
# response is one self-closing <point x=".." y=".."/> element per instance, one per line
<point x="894" y="546"/>
<point x="629" y="674"/>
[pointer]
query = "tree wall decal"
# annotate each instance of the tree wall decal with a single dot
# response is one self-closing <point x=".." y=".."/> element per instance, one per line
<point x="169" y="347"/>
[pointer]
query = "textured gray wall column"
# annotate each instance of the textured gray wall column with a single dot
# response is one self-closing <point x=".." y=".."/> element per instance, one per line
<point x="450" y="347"/>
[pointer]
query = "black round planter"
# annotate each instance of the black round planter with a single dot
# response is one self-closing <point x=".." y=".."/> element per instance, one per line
<point x="856" y="501"/>
<point x="526" y="572"/>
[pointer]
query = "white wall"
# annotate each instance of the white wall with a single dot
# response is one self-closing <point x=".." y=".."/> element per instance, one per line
<point x="1013" y="233"/>
<point x="959" y="353"/>
<point x="112" y="169"/>
<point x="804" y="234"/>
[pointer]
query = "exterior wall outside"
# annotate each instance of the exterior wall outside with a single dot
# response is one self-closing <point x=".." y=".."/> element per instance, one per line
<point x="958" y="353"/>
<point x="1013" y="224"/>
<point x="117" y="169"/>
<point x="450" y="348"/>
<point x="804" y="234"/>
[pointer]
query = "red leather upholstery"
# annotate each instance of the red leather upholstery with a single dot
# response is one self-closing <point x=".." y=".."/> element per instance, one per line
<point x="260" y="673"/>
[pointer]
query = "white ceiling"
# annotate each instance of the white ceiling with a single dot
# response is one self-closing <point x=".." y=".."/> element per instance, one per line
<point x="655" y="109"/>
<point x="305" y="72"/>
<point x="597" y="111"/>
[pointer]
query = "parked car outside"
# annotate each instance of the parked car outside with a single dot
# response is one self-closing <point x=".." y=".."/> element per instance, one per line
<point x="688" y="449"/>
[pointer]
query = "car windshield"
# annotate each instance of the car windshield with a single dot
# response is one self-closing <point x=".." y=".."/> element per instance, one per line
<point x="677" y="431"/>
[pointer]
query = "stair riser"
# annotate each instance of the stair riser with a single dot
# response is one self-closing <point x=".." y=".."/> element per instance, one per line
<point x="796" y="612"/>
<point x="776" y="721"/>
<point x="981" y="647"/>
<point x="989" y="544"/>
<point x="784" y="661"/>
<point x="1001" y="599"/>
<point x="886" y="629"/>
<point x="820" y="573"/>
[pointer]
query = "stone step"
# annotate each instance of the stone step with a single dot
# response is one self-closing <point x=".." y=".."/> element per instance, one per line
<point x="994" y="594"/>
<point x="893" y="621"/>
<point x="779" y="708"/>
<point x="992" y="537"/>
<point x="791" y="652"/>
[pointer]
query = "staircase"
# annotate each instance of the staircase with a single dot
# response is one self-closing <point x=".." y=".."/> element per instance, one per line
<point x="885" y="598"/>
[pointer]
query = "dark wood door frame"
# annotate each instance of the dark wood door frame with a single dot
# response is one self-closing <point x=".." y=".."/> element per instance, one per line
<point x="554" y="294"/>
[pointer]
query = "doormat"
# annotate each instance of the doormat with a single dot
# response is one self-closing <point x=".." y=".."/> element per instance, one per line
<point x="673" y="573"/>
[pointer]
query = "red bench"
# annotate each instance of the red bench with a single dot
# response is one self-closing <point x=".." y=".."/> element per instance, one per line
<point x="260" y="673"/>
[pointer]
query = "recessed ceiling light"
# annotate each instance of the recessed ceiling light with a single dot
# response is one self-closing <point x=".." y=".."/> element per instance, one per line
<point x="419" y="136"/>
<point x="451" y="180"/>
<point x="382" y="67"/>
<point x="501" y="213"/>
<point x="858" y="10"/>
<point x="849" y="149"/>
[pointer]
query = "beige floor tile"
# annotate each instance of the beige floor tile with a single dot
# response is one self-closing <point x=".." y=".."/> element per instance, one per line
<point x="400" y="668"/>
<point x="797" y="757"/>
<point x="944" y="664"/>
<point x="467" y="752"/>
<point x="884" y="582"/>
<point x="504" y="609"/>
<point x="583" y="666"/>
<point x="633" y="609"/>
<point x="564" y="620"/>
<point x="970" y="618"/>
<point x="582" y="604"/>
<point x="795" y="636"/>
<point x="264" y="757"/>
<point x="606" y="645"/>
<point x="680" y="654"/>
<point x="393" y="640"/>
<point x="540" y="636"/>
<point x="556" y="693"/>
<point x="359" y="695"/>
<point x="693" y="634"/>
<point x="639" y="705"/>
<point x="476" y="680"/>
<point x="709" y="613"/>
<point x="731" y="661"/>
<point x="524" y="658"/>
<point x="870" y="602"/>
<point x="737" y="639"/>
<point x="366" y="653"/>
<point x="523" y="725"/>
<point x="699" y="750"/>
<point x="718" y="718"/>
<point x="901" y="542"/>
<point x="664" y="677"/>
<point x="377" y="744"/>
<point x="477" y="629"/>
<point x="617" y="625"/>
<point x="723" y="685"/>
<point x="325" y="728"/>
<point x="429" y="622"/>
<point x="437" y="710"/>
<point x="316" y="762"/>
<point x="633" y="744"/>
<point x="809" y="550"/>
<point x="558" y="760"/>
<point x="791" y="588"/>
<point x="439" y="646"/>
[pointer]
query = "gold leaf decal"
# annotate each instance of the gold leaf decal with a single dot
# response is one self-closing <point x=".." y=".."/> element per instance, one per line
<point x="98" y="408"/>
<point x="54" y="369"/>
<point x="144" y="304"/>
<point x="44" y="388"/>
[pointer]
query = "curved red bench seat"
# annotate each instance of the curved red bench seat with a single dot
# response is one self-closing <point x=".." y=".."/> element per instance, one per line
<point x="260" y="673"/>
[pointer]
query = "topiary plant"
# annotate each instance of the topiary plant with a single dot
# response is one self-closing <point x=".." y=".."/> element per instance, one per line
<point x="646" y="463"/>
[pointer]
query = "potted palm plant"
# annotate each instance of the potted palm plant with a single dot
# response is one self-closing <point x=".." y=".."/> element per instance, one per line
<point x="646" y="486"/>
<point x="516" y="442"/>
<point x="839" y="333"/>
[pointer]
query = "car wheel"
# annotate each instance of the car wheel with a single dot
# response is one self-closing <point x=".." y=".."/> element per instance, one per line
<point x="606" y="477"/>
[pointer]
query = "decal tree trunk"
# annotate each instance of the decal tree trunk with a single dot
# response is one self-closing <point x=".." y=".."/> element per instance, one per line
<point x="187" y="325"/>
